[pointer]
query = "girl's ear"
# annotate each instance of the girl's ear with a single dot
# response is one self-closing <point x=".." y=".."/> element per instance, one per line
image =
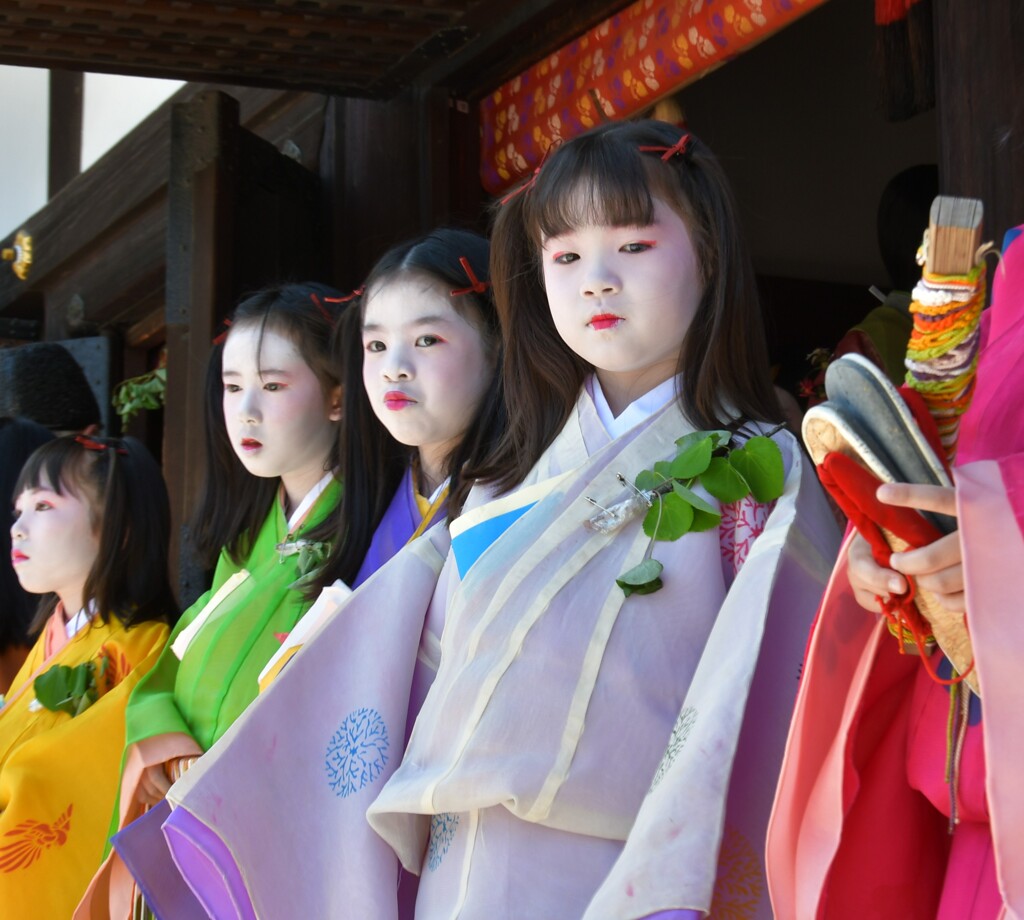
<point x="334" y="411"/>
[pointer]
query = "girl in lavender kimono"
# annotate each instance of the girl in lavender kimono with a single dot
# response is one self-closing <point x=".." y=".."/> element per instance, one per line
<point x="420" y="353"/>
<point x="578" y="753"/>
<point x="582" y="753"/>
<point x="419" y="367"/>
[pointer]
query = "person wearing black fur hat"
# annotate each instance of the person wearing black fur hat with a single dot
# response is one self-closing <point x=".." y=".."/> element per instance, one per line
<point x="44" y="383"/>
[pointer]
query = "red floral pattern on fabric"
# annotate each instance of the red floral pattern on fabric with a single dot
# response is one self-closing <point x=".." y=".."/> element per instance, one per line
<point x="651" y="49"/>
<point x="742" y="523"/>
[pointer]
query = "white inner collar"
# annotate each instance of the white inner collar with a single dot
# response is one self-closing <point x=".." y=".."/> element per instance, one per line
<point x="81" y="619"/>
<point x="641" y="408"/>
<point x="311" y="496"/>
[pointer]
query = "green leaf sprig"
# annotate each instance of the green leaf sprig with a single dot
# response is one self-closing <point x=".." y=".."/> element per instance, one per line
<point x="312" y="555"/>
<point x="137" y="393"/>
<point x="728" y="473"/>
<point x="70" y="690"/>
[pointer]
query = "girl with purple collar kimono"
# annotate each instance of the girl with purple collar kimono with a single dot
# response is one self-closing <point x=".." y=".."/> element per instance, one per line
<point x="419" y="352"/>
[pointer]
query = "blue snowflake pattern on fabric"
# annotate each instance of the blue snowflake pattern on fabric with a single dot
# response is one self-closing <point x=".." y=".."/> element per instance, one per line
<point x="442" y="833"/>
<point x="357" y="752"/>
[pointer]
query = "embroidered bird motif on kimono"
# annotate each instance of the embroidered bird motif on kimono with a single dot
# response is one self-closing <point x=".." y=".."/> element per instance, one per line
<point x="31" y="838"/>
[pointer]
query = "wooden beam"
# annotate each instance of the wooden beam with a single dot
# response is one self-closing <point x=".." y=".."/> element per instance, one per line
<point x="126" y="179"/>
<point x="148" y="331"/>
<point x="65" y="146"/>
<point x="508" y="38"/>
<point x="190" y="47"/>
<point x="64" y="49"/>
<point x="980" y="106"/>
<point x="208" y="27"/>
<point x="201" y="207"/>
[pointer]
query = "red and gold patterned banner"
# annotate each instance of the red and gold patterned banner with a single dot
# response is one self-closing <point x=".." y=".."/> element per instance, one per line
<point x="649" y="50"/>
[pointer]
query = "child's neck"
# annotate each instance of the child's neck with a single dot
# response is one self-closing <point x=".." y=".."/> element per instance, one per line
<point x="621" y="388"/>
<point x="72" y="600"/>
<point x="429" y="471"/>
<point x="296" y="487"/>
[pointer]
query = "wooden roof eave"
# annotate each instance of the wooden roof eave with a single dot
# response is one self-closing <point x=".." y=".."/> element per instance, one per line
<point x="113" y="216"/>
<point x="370" y="50"/>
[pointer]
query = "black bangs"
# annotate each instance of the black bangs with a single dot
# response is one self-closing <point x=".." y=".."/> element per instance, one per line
<point x="56" y="465"/>
<point x="590" y="184"/>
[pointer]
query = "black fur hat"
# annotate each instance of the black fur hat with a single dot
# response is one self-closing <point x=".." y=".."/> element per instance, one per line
<point x="43" y="382"/>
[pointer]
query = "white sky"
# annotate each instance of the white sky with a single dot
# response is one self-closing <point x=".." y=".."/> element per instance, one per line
<point x="112" y="107"/>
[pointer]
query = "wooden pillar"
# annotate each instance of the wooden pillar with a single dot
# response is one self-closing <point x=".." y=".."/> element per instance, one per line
<point x="980" y="101"/>
<point x="396" y="169"/>
<point x="200" y="283"/>
<point x="65" y="144"/>
<point x="374" y="187"/>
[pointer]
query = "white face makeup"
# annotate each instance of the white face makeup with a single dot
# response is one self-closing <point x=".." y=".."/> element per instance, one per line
<point x="623" y="298"/>
<point x="425" y="366"/>
<point x="53" y="544"/>
<point x="275" y="412"/>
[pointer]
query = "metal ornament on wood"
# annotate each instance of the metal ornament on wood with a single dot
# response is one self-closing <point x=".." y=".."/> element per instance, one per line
<point x="20" y="255"/>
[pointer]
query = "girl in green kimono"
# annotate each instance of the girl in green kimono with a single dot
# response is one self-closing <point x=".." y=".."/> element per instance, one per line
<point x="269" y="497"/>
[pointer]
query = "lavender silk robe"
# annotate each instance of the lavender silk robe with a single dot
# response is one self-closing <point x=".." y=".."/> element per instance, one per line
<point x="537" y="781"/>
<point x="331" y="730"/>
<point x="218" y="875"/>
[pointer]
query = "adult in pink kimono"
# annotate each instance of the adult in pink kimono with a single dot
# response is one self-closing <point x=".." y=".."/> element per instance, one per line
<point x="878" y="812"/>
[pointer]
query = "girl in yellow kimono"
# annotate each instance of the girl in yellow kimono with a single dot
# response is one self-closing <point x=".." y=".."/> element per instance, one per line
<point x="90" y="533"/>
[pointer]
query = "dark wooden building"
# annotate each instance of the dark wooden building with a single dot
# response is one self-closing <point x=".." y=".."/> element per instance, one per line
<point x="313" y="134"/>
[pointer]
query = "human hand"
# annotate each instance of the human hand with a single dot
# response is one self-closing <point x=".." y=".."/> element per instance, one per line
<point x="937" y="567"/>
<point x="153" y="785"/>
<point x="868" y="579"/>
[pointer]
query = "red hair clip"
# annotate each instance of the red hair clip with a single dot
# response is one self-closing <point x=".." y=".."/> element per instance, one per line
<point x="358" y="292"/>
<point x="529" y="183"/>
<point x="476" y="285"/>
<point x="90" y="444"/>
<point x="219" y="338"/>
<point x="323" y="310"/>
<point x="679" y="148"/>
<point x="525" y="187"/>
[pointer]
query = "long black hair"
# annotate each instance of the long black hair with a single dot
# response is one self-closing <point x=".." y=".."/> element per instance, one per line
<point x="18" y="438"/>
<point x="233" y="503"/>
<point x="372" y="461"/>
<point x="605" y="177"/>
<point x="125" y="491"/>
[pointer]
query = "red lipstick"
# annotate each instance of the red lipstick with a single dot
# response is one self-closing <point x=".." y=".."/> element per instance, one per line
<point x="396" y="400"/>
<point x="604" y="321"/>
<point x="17" y="556"/>
<point x="251" y="444"/>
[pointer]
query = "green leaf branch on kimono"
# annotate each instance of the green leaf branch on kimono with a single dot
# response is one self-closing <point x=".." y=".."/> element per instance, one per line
<point x="73" y="690"/>
<point x="727" y="473"/>
<point x="312" y="555"/>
